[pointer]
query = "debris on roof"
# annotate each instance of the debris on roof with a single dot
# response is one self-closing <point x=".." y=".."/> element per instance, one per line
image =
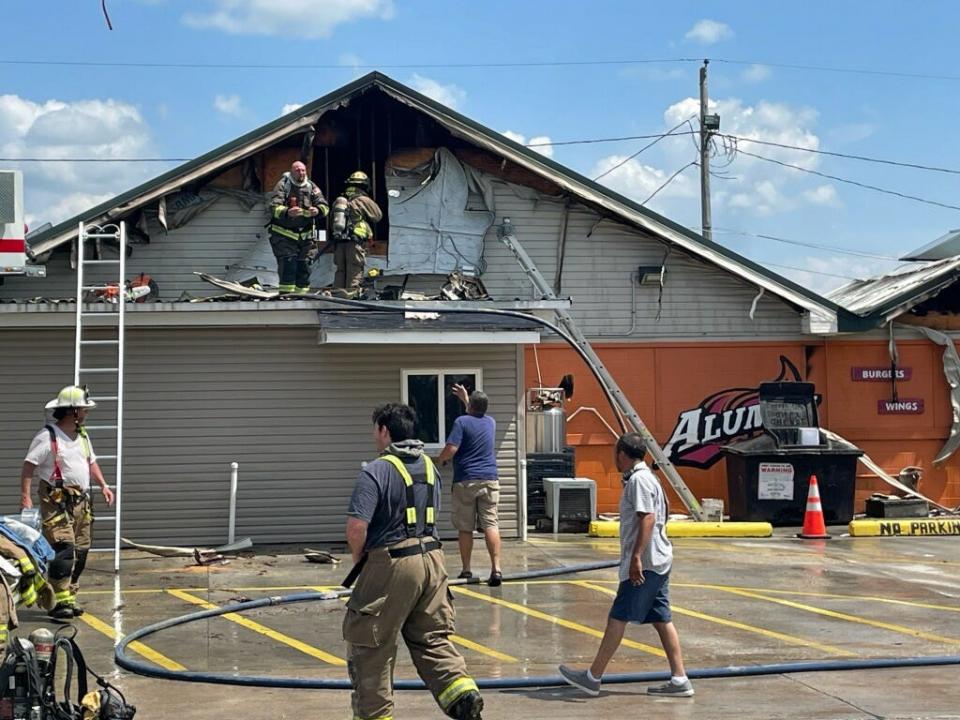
<point x="897" y="292"/>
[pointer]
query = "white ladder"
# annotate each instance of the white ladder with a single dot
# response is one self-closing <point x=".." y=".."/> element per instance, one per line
<point x="101" y="316"/>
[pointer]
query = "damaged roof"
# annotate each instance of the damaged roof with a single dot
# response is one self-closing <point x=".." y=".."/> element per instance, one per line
<point x="825" y="315"/>
<point x="883" y="298"/>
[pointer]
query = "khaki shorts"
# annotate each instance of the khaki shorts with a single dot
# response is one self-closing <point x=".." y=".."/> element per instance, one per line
<point x="475" y="501"/>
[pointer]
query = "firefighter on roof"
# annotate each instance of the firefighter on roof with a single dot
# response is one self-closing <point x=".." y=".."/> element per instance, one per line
<point x="354" y="215"/>
<point x="295" y="205"/>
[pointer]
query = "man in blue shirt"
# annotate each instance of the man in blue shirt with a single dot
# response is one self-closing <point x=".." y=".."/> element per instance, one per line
<point x="476" y="488"/>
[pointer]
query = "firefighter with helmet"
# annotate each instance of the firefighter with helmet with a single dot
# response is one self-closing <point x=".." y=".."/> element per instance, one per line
<point x="61" y="457"/>
<point x="295" y="204"/>
<point x="353" y="216"/>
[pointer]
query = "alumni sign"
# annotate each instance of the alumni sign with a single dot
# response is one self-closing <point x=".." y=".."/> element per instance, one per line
<point x="733" y="413"/>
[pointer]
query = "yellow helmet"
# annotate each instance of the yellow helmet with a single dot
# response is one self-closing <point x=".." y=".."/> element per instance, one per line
<point x="72" y="396"/>
<point x="359" y="178"/>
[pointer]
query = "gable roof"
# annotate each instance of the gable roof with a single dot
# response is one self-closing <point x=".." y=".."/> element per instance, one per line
<point x="827" y="316"/>
<point x="882" y="298"/>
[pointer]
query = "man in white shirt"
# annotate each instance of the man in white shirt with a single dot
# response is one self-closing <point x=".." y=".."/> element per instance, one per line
<point x="646" y="557"/>
<point x="62" y="459"/>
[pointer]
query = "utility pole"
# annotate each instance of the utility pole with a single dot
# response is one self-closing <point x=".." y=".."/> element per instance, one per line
<point x="708" y="124"/>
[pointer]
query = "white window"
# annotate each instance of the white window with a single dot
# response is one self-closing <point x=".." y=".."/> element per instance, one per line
<point x="429" y="391"/>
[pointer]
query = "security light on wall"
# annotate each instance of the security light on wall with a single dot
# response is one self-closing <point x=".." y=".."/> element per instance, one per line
<point x="650" y="274"/>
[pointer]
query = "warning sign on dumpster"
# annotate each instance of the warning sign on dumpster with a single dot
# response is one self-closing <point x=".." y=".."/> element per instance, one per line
<point x="775" y="481"/>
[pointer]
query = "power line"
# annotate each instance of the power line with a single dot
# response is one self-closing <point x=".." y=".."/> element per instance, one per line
<point x="815" y="246"/>
<point x="807" y="270"/>
<point x="667" y="182"/>
<point x="851" y="182"/>
<point x="830" y="69"/>
<point x="92" y="160"/>
<point x="645" y="147"/>
<point x="592" y="141"/>
<point x="481" y="65"/>
<point x="864" y="158"/>
<point x="183" y="159"/>
<point x="338" y="66"/>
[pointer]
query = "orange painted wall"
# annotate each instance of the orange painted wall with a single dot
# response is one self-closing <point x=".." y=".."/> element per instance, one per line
<point x="663" y="380"/>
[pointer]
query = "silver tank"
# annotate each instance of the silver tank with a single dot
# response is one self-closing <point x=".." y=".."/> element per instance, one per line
<point x="546" y="421"/>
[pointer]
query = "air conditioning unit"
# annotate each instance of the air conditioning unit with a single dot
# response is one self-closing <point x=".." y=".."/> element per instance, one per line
<point x="13" y="244"/>
<point x="570" y="499"/>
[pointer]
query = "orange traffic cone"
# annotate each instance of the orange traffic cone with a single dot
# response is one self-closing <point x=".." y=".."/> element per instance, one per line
<point x="813" y="525"/>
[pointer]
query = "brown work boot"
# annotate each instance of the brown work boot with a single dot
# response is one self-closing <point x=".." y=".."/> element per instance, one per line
<point x="468" y="707"/>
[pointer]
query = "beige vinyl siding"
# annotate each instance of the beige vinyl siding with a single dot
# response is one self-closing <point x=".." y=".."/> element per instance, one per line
<point x="294" y="414"/>
<point x="698" y="300"/>
<point x="217" y="237"/>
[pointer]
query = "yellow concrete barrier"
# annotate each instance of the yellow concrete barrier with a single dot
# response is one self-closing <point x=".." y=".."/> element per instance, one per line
<point x="604" y="529"/>
<point x="690" y="529"/>
<point x="905" y="527"/>
<point x="693" y="529"/>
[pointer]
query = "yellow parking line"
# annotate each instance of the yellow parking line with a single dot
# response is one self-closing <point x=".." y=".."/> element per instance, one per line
<point x="138" y="647"/>
<point x="586" y="630"/>
<point x="833" y="596"/>
<point x="799" y="593"/>
<point x="483" y="649"/>
<point x="734" y="624"/>
<point x="319" y="588"/>
<point x="263" y="630"/>
<point x="903" y="630"/>
<point x="470" y="645"/>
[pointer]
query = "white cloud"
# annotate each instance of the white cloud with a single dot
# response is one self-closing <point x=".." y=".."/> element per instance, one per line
<point x="290" y="107"/>
<point x="53" y="129"/>
<point x="286" y="18"/>
<point x="541" y="140"/>
<point x="450" y="95"/>
<point x="755" y="186"/>
<point x="707" y="32"/>
<point x="638" y="181"/>
<point x="822" y="195"/>
<point x="515" y="136"/>
<point x="228" y="104"/>
<point x="756" y="73"/>
<point x="70" y="206"/>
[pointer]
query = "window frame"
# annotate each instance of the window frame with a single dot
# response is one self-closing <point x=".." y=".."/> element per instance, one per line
<point x="441" y="405"/>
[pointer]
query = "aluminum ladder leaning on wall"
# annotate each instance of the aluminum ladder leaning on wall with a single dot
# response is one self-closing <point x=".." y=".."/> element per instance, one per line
<point x="107" y="319"/>
<point x="507" y="235"/>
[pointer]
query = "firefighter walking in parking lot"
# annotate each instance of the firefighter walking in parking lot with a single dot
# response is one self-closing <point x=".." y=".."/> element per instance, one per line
<point x="62" y="459"/>
<point x="401" y="581"/>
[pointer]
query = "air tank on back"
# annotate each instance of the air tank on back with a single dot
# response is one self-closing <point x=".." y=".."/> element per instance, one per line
<point x="546" y="420"/>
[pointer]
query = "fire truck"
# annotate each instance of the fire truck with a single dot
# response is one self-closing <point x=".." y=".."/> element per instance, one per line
<point x="13" y="243"/>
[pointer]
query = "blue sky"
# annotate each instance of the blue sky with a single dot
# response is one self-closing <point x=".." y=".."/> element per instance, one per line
<point x="58" y="111"/>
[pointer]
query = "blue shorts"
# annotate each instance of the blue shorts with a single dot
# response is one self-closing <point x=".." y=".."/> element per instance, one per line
<point x="648" y="602"/>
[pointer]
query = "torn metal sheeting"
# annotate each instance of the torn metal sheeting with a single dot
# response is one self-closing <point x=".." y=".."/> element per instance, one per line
<point x="951" y="371"/>
<point x="185" y="552"/>
<point x="896" y="292"/>
<point x="151" y="191"/>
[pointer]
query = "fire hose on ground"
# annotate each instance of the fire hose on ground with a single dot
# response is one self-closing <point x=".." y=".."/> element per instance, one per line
<point x="150" y="670"/>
